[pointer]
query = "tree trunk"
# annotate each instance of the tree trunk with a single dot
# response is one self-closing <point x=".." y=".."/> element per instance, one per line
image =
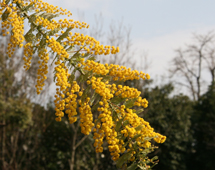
<point x="72" y="160"/>
<point x="97" y="161"/>
<point x="4" y="143"/>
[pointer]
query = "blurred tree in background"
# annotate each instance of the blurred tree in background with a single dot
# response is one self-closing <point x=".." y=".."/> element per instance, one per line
<point x="170" y="116"/>
<point x="190" y="63"/>
<point x="203" y="119"/>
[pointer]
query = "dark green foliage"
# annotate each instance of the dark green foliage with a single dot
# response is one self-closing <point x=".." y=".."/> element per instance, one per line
<point x="204" y="131"/>
<point x="170" y="116"/>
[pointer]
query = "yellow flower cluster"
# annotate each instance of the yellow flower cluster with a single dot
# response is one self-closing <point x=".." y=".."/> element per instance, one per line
<point x="86" y="117"/>
<point x="116" y="71"/>
<point x="46" y="7"/>
<point x="127" y="92"/>
<point x="104" y="123"/>
<point x="43" y="70"/>
<point x="28" y="53"/>
<point x="114" y="147"/>
<point x="71" y="102"/>
<point x="136" y="126"/>
<point x="105" y="127"/>
<point x="16" y="23"/>
<point x="96" y="67"/>
<point x="52" y="25"/>
<point x="115" y="122"/>
<point x="145" y="129"/>
<point x="122" y="73"/>
<point x="101" y="88"/>
<point x="62" y="81"/>
<point x="141" y="102"/>
<point x="98" y="137"/>
<point x="58" y="48"/>
<point x="62" y="78"/>
<point x="89" y="44"/>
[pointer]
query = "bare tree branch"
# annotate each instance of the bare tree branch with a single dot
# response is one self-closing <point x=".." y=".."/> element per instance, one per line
<point x="190" y="63"/>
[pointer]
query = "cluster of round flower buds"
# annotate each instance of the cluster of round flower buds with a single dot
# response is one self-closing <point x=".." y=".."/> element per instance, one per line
<point x="116" y="121"/>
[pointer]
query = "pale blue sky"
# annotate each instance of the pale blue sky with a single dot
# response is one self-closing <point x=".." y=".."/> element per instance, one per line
<point x="148" y="18"/>
<point x="151" y="20"/>
<point x="158" y="26"/>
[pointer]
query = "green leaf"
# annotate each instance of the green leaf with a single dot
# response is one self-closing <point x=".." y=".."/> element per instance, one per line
<point x="71" y="77"/>
<point x="123" y="159"/>
<point x="84" y="78"/>
<point x="54" y="57"/>
<point x="70" y="48"/>
<point x="92" y="58"/>
<point x="41" y="14"/>
<point x="43" y="41"/>
<point x="130" y="103"/>
<point x="38" y="35"/>
<point x="138" y="127"/>
<point x="119" y="124"/>
<point x="98" y="120"/>
<point x="28" y="7"/>
<point x="132" y="166"/>
<point x="136" y="136"/>
<point x="126" y="122"/>
<point x="139" y="111"/>
<point x="29" y="36"/>
<point x="7" y="1"/>
<point x="76" y="57"/>
<point x="148" y="138"/>
<point x="95" y="106"/>
<point x="154" y="158"/>
<point x="86" y="55"/>
<point x="64" y="35"/>
<point x="80" y="78"/>
<point x="92" y="99"/>
<point x="106" y="78"/>
<point x="53" y="32"/>
<point x="51" y="16"/>
<point x="116" y="100"/>
<point x="86" y="93"/>
<point x="48" y="16"/>
<point x="135" y="146"/>
<point x="5" y="15"/>
<point x="141" y="167"/>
